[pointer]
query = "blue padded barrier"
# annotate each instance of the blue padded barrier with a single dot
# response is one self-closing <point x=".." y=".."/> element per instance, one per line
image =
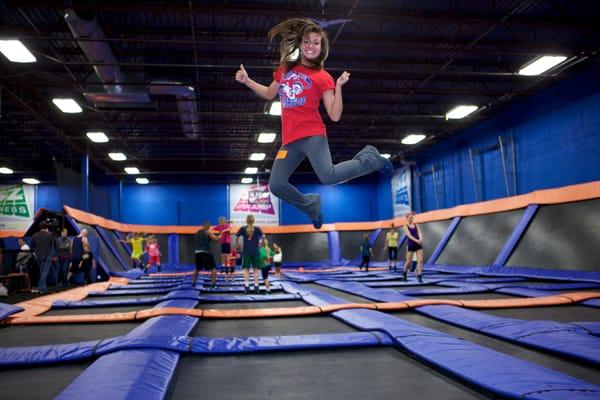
<point x="333" y="241"/>
<point x="453" y="269"/>
<point x="131" y="274"/>
<point x="103" y="233"/>
<point x="215" y="346"/>
<point x="592" y="327"/>
<point x="472" y="363"/>
<point x="127" y="374"/>
<point x="122" y="292"/>
<point x="467" y="361"/>
<point x="173" y="246"/>
<point x="515" y="236"/>
<point x="494" y="280"/>
<point x="42" y="355"/>
<point x="146" y="286"/>
<point x="449" y="290"/>
<point x="592" y="303"/>
<point x="542" y="273"/>
<point x="60" y="304"/>
<point x="444" y="241"/>
<point x="550" y="336"/>
<point x="7" y="310"/>
<point x="554" y="337"/>
<point x="523" y="292"/>
<point x="138" y="373"/>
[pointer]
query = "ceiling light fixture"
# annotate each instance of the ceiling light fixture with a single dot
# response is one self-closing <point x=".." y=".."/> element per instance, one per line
<point x="541" y="65"/>
<point x="461" y="111"/>
<point x="16" y="51"/>
<point x="68" y="106"/>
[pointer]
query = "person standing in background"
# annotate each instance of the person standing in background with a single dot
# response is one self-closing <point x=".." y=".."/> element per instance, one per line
<point x="65" y="245"/>
<point x="44" y="244"/>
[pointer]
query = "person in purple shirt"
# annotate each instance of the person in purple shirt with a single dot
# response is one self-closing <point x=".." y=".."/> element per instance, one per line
<point x="414" y="245"/>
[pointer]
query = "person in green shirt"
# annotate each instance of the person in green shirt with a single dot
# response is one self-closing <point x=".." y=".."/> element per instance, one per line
<point x="266" y="258"/>
<point x="391" y="239"/>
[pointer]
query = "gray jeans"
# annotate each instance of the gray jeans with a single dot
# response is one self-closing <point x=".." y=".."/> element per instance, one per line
<point x="316" y="148"/>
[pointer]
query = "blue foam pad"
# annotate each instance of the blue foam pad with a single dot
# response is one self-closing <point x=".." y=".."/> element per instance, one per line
<point x="128" y="374"/>
<point x="61" y="304"/>
<point x="517" y="291"/>
<point x="541" y="273"/>
<point x="248" y="298"/>
<point x="469" y="362"/>
<point x="592" y="327"/>
<point x="146" y="286"/>
<point x="558" y="338"/>
<point x="213" y="346"/>
<point x="120" y="292"/>
<point x="592" y="303"/>
<point x="7" y="310"/>
<point x="448" y="290"/>
<point x="131" y="274"/>
<point x="359" y="289"/>
<point x="494" y="280"/>
<point x="39" y="355"/>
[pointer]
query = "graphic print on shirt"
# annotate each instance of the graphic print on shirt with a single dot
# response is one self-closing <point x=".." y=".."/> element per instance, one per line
<point x="292" y="87"/>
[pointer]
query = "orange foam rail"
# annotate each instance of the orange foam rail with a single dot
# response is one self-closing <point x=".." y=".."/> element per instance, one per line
<point x="565" y="194"/>
<point x="556" y="300"/>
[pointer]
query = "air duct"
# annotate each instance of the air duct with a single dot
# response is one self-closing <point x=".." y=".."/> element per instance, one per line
<point x="186" y="104"/>
<point x="99" y="52"/>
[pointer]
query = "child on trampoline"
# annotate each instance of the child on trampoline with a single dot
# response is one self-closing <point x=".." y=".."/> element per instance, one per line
<point x="266" y="260"/>
<point x="153" y="251"/>
<point x="301" y="83"/>
<point x="414" y="245"/>
<point x="366" y="252"/>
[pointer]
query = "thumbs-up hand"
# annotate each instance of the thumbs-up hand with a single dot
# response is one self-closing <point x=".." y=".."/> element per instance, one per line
<point x="241" y="75"/>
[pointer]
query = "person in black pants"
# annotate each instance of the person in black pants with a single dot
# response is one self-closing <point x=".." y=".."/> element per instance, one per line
<point x="44" y="244"/>
<point x="366" y="251"/>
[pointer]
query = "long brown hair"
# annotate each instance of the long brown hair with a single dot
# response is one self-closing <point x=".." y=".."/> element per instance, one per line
<point x="291" y="32"/>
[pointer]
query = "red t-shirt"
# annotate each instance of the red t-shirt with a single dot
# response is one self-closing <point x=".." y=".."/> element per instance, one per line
<point x="152" y="250"/>
<point x="225" y="236"/>
<point x="300" y="92"/>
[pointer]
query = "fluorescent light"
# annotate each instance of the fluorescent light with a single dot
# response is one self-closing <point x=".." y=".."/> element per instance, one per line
<point x="541" y="65"/>
<point x="413" y="138"/>
<point x="257" y="156"/>
<point x="6" y="171"/>
<point x="142" y="181"/>
<point x="460" y="111"/>
<point x="68" y="106"/>
<point x="246" y="180"/>
<point x="97" y="137"/>
<point x="132" y="170"/>
<point x="386" y="155"/>
<point x="16" y="51"/>
<point x="31" y="181"/>
<point x="275" y="108"/>
<point x="251" y="170"/>
<point x="266" y="137"/>
<point x="117" y="156"/>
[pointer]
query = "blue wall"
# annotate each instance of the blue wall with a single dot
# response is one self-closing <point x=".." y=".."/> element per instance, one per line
<point x="556" y="139"/>
<point x="192" y="204"/>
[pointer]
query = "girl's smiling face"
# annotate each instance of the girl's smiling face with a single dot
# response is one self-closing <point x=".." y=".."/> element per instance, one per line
<point x="310" y="48"/>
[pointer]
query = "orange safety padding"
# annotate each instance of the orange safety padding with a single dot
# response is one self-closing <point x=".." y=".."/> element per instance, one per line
<point x="565" y="298"/>
<point x="7" y="234"/>
<point x="40" y="305"/>
<point x="566" y="194"/>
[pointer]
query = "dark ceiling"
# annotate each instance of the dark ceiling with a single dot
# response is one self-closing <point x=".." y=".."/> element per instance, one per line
<point x="411" y="62"/>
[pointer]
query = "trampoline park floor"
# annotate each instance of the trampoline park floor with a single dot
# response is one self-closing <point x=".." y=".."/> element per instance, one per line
<point x="325" y="372"/>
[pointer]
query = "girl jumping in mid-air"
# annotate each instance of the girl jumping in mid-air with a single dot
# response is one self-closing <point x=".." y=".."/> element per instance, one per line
<point x="302" y="83"/>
